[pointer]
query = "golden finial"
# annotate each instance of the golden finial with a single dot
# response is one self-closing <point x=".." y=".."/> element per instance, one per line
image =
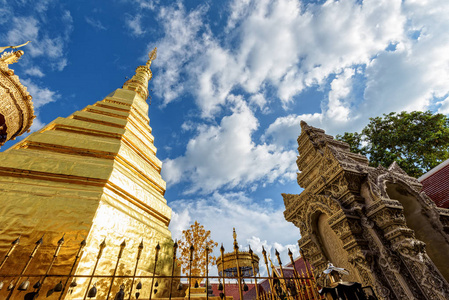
<point x="139" y="82"/>
<point x="152" y="56"/>
<point x="234" y="234"/>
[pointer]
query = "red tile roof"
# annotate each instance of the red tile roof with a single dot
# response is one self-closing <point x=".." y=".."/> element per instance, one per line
<point x="436" y="184"/>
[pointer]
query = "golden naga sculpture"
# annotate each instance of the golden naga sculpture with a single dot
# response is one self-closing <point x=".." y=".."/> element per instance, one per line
<point x="16" y="108"/>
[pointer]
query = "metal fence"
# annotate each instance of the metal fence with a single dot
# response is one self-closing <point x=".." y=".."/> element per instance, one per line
<point x="274" y="286"/>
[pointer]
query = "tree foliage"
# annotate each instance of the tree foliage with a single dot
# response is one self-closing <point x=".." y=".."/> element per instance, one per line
<point x="417" y="141"/>
<point x="197" y="236"/>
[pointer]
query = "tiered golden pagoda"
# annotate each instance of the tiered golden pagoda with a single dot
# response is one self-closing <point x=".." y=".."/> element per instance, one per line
<point x="16" y="108"/>
<point x="95" y="176"/>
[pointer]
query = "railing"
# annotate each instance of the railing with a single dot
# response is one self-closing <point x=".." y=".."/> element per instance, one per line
<point x="277" y="286"/>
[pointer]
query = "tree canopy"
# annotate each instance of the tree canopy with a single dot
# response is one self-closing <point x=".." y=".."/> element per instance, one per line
<point x="417" y="141"/>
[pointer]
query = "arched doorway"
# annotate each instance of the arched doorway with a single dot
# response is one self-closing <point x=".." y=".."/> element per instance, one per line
<point x="333" y="247"/>
<point x="437" y="247"/>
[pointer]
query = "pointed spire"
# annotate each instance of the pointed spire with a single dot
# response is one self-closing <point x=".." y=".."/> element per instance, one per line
<point x="139" y="82"/>
<point x="234" y="234"/>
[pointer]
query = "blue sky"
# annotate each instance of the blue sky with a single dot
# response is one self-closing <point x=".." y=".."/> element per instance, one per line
<point x="231" y="83"/>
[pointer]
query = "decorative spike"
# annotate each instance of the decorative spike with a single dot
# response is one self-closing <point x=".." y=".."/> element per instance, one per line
<point x="61" y="240"/>
<point x="58" y="287"/>
<point x="158" y="247"/>
<point x="93" y="291"/>
<point x="16" y="241"/>
<point x="40" y="241"/>
<point x="121" y="294"/>
<point x="24" y="285"/>
<point x="50" y="292"/>
<point x="123" y="244"/>
<point x="139" y="286"/>
<point x="141" y="244"/>
<point x="37" y="285"/>
<point x="83" y="243"/>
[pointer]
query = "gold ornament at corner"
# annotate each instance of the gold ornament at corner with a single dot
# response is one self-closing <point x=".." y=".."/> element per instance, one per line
<point x="16" y="107"/>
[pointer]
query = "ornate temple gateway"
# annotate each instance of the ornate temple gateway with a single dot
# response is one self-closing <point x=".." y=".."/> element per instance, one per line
<point x="92" y="176"/>
<point x="374" y="222"/>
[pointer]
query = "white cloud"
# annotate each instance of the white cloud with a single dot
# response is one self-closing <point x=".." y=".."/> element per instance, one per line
<point x="177" y="48"/>
<point x="259" y="101"/>
<point x="284" y="43"/>
<point x="338" y="109"/>
<point x="96" y="24"/>
<point x="34" y="71"/>
<point x="41" y="95"/>
<point x="444" y="108"/>
<point x="135" y="24"/>
<point x="45" y="44"/>
<point x="148" y="4"/>
<point x="225" y="156"/>
<point x="283" y="130"/>
<point x="256" y="223"/>
<point x="367" y="57"/>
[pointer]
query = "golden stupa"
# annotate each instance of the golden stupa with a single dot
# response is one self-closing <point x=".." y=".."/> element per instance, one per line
<point x="93" y="175"/>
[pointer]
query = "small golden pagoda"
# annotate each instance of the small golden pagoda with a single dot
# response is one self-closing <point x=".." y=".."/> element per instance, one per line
<point x="92" y="176"/>
<point x="16" y="108"/>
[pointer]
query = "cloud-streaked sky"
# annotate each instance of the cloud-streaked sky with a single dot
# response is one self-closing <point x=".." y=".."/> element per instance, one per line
<point x="232" y="81"/>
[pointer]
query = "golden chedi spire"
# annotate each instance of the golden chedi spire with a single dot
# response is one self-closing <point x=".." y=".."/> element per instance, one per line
<point x="94" y="176"/>
<point x="16" y="108"/>
<point x="139" y="82"/>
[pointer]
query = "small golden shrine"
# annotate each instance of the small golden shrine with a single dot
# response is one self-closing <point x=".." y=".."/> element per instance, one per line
<point x="229" y="263"/>
<point x="237" y="264"/>
<point x="16" y="107"/>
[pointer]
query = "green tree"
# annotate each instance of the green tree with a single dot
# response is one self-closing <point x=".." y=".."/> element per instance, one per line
<point x="417" y="141"/>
